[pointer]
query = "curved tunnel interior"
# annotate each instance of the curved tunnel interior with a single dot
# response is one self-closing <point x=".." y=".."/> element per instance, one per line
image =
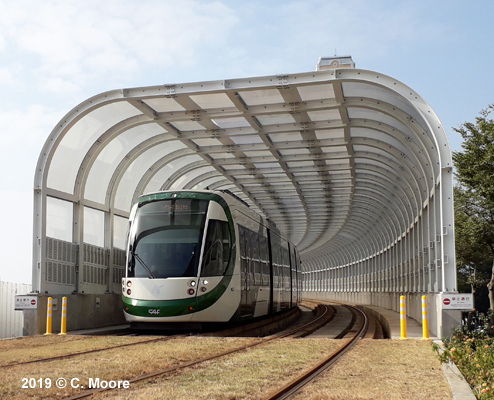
<point x="352" y="165"/>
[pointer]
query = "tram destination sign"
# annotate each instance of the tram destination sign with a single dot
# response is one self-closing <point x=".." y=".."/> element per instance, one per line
<point x="23" y="302"/>
<point x="458" y="301"/>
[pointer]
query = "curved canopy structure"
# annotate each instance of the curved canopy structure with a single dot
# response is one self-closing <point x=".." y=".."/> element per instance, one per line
<point x="354" y="166"/>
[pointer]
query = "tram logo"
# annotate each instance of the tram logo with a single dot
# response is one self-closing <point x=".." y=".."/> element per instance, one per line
<point x="154" y="311"/>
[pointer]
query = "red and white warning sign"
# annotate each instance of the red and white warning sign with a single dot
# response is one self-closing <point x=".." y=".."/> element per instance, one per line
<point x="23" y="302"/>
<point x="459" y="301"/>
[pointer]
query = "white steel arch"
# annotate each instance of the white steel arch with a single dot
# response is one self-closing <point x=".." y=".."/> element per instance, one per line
<point x="352" y="164"/>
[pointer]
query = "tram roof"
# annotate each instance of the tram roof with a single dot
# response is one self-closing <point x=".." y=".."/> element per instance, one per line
<point x="341" y="159"/>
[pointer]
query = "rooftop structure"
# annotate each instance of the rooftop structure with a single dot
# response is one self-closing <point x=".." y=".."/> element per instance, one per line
<point x="353" y="165"/>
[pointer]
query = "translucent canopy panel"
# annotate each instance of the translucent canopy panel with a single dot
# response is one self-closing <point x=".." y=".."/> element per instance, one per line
<point x="75" y="144"/>
<point x="94" y="227"/>
<point x="354" y="166"/>
<point x="133" y="173"/>
<point x="59" y="217"/>
<point x="120" y="226"/>
<point x="111" y="155"/>
<point x="169" y="170"/>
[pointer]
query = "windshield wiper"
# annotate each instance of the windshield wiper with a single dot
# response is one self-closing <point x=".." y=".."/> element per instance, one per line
<point x="144" y="265"/>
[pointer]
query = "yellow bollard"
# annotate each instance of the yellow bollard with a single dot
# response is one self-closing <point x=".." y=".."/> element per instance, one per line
<point x="49" y="316"/>
<point x="63" y="330"/>
<point x="403" y="318"/>
<point x="425" y="319"/>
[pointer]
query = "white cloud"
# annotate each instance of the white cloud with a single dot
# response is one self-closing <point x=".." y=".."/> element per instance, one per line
<point x="93" y="39"/>
<point x="54" y="51"/>
<point x="16" y="236"/>
<point x="27" y="128"/>
<point x="6" y="77"/>
<point x="22" y="136"/>
<point x="60" y="85"/>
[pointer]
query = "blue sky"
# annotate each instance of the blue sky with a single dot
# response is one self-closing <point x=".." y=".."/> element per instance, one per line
<point x="56" y="54"/>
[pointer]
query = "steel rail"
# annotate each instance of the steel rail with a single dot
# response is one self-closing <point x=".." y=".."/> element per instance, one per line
<point x="323" y="311"/>
<point x="79" y="353"/>
<point x="298" y="383"/>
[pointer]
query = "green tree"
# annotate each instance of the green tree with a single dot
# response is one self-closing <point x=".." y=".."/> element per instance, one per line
<point x="473" y="252"/>
<point x="474" y="204"/>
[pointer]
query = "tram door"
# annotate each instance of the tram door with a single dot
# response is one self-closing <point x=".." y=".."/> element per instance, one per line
<point x="246" y="274"/>
<point x="293" y="276"/>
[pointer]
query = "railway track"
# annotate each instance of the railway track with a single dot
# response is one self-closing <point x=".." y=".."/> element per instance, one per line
<point x="255" y="329"/>
<point x="85" y="352"/>
<point x="293" y="387"/>
<point x="321" y="315"/>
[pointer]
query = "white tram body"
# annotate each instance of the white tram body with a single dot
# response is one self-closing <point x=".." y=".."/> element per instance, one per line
<point x="204" y="256"/>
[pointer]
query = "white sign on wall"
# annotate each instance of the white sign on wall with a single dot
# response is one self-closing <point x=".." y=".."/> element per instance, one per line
<point x="458" y="301"/>
<point x="26" y="302"/>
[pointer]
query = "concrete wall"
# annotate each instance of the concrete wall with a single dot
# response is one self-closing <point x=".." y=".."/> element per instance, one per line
<point x="441" y="321"/>
<point x="88" y="311"/>
<point x="11" y="321"/>
<point x="84" y="311"/>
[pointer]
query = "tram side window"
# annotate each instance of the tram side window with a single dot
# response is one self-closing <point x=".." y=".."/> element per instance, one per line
<point x="217" y="249"/>
<point x="275" y="251"/>
<point x="254" y="248"/>
<point x="286" y="268"/>
<point x="293" y="267"/>
<point x="244" y="263"/>
<point x="254" y="256"/>
<point x="264" y="256"/>
<point x="293" y="262"/>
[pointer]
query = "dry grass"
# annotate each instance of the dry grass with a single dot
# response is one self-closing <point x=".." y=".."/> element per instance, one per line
<point x="384" y="370"/>
<point x="38" y="347"/>
<point x="117" y="364"/>
<point x="249" y="375"/>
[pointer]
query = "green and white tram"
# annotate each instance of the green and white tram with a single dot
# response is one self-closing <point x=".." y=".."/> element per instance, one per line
<point x="204" y="256"/>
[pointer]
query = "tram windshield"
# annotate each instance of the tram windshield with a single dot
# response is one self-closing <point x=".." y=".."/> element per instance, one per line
<point x="165" y="238"/>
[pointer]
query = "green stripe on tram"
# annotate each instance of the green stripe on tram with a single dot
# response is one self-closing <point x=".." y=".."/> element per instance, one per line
<point x="174" y="308"/>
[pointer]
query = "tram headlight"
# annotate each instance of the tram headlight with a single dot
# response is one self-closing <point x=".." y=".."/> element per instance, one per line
<point x="129" y="283"/>
<point x="192" y="283"/>
<point x="205" y="282"/>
